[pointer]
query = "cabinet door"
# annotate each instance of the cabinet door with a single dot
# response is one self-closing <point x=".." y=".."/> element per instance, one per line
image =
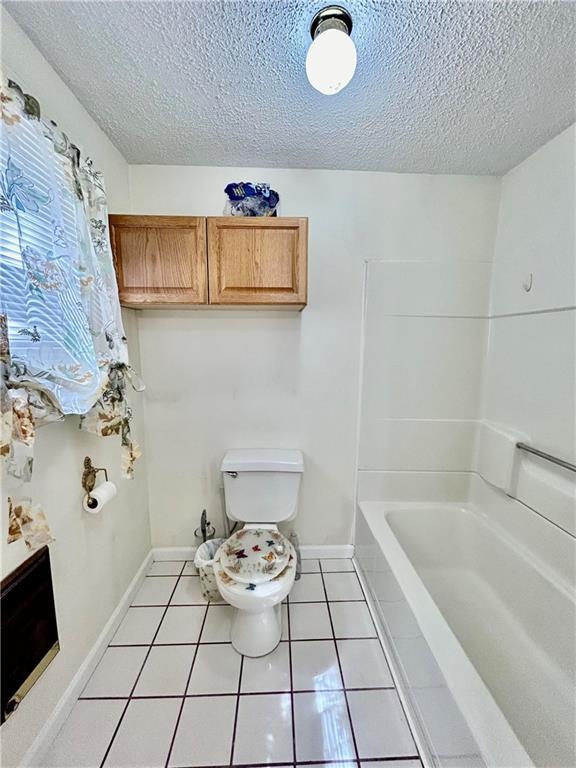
<point x="160" y="259"/>
<point x="257" y="260"/>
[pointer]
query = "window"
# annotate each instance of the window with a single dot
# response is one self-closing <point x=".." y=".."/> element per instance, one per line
<point x="52" y="290"/>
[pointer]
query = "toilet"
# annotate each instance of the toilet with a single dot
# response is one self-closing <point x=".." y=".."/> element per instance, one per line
<point x="255" y="568"/>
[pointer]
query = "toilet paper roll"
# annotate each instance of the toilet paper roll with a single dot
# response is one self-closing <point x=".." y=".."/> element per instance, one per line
<point x="99" y="496"/>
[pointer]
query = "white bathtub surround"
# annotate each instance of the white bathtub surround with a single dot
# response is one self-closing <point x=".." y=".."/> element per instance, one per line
<point x="530" y="373"/>
<point x="536" y="232"/>
<point x="425" y="337"/>
<point x="413" y="486"/>
<point x="498" y="458"/>
<point x="498" y="622"/>
<point x="431" y="382"/>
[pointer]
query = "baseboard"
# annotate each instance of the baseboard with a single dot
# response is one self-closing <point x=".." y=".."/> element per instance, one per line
<point x="61" y="711"/>
<point x="173" y="553"/>
<point x="325" y="551"/>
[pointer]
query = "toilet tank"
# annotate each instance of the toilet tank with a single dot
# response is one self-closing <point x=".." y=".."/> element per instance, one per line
<point x="261" y="486"/>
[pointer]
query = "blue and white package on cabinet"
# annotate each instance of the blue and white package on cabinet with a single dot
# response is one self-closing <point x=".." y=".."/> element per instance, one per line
<point x="248" y="199"/>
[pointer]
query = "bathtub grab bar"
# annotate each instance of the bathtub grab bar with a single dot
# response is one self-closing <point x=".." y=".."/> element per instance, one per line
<point x="547" y="456"/>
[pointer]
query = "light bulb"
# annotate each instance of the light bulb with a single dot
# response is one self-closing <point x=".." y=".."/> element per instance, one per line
<point x="331" y="61"/>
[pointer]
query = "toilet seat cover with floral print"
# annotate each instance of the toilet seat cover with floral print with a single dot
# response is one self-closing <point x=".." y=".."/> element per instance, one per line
<point x="255" y="555"/>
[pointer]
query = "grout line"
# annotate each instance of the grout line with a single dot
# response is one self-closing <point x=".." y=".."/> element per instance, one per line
<point x="234" y="727"/>
<point x="319" y="763"/>
<point x="326" y="573"/>
<point x="292" y="715"/>
<point x="169" y="605"/>
<point x="391" y="759"/>
<point x="119" y="723"/>
<point x="143" y="645"/>
<point x="171" y="576"/>
<point x="173" y="739"/>
<point x="341" y="672"/>
<point x="227" y="642"/>
<point x="319" y="602"/>
<point x="229" y="695"/>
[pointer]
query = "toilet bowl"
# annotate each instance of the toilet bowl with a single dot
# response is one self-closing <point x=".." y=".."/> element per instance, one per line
<point x="257" y="623"/>
<point x="255" y="568"/>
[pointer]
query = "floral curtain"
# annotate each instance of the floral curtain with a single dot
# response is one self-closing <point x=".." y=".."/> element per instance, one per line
<point x="62" y="344"/>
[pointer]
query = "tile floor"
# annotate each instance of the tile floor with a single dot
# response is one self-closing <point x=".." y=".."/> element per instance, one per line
<point x="171" y="692"/>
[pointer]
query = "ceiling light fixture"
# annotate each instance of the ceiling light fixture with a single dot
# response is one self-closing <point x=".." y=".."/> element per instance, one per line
<point x="331" y="59"/>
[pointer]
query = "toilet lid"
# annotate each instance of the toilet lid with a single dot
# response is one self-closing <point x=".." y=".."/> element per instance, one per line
<point x="255" y="555"/>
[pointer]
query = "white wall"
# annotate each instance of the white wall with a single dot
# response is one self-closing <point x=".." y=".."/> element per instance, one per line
<point x="220" y="379"/>
<point x="93" y="558"/>
<point x="530" y="383"/>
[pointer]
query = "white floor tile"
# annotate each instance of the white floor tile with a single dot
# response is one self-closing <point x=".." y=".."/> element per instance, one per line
<point x="166" y="670"/>
<point x="138" y="626"/>
<point x="380" y="725"/>
<point x="310" y="566"/>
<point x="364" y="664"/>
<point x="204" y="735"/>
<point x="339" y="764"/>
<point x="343" y="586"/>
<point x="217" y="624"/>
<point x="352" y="620"/>
<point x="189" y="569"/>
<point x="216" y="670"/>
<point x="322" y="727"/>
<point x="166" y="568"/>
<point x="267" y="673"/>
<point x="310" y="621"/>
<point x="264" y="729"/>
<point x="181" y="624"/>
<point x="307" y="589"/>
<point x="188" y="592"/>
<point x="155" y="590"/>
<point x="335" y="564"/>
<point x="116" y="673"/>
<point x="84" y="737"/>
<point x="145" y="734"/>
<point x="315" y="666"/>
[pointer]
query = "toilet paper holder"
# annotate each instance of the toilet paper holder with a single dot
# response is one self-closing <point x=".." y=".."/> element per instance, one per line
<point x="89" y="477"/>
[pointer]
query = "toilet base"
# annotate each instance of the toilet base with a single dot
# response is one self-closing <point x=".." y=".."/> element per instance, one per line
<point x="256" y="634"/>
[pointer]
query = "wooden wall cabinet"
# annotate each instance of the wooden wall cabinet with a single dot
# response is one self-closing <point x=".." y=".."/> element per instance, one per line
<point x="160" y="260"/>
<point x="257" y="260"/>
<point x="218" y="261"/>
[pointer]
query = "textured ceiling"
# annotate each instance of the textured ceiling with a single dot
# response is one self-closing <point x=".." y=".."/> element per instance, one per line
<point x="441" y="87"/>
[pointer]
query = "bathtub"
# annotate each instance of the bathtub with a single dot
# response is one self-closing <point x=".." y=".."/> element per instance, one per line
<point x="481" y="633"/>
